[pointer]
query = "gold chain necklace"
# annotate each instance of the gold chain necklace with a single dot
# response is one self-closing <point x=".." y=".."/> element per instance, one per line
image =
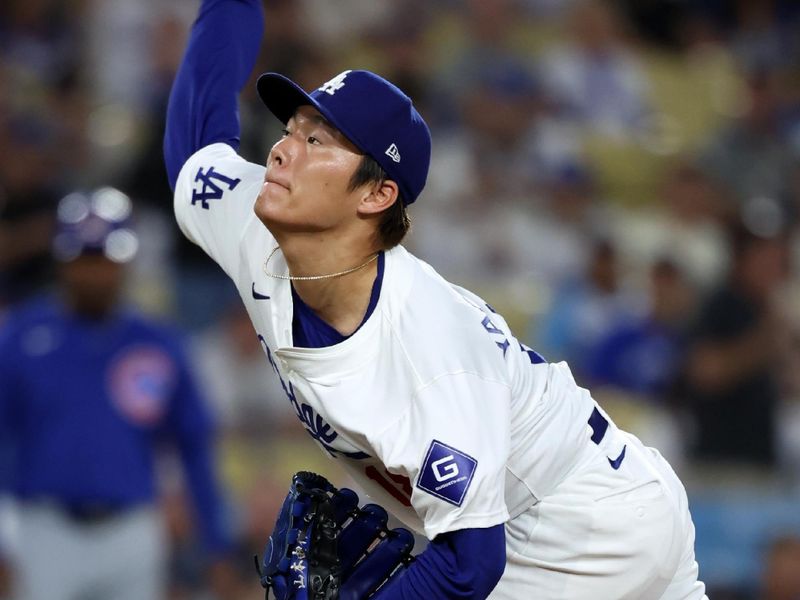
<point x="312" y="277"/>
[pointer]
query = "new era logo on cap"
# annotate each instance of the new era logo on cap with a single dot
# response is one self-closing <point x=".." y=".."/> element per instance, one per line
<point x="371" y="112"/>
<point x="393" y="153"/>
<point x="446" y="473"/>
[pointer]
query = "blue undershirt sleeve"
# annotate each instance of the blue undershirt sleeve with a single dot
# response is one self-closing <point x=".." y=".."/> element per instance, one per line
<point x="203" y="103"/>
<point x="457" y="565"/>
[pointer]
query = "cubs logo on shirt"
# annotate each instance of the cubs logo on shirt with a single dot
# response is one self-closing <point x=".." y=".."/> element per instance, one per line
<point x="141" y="381"/>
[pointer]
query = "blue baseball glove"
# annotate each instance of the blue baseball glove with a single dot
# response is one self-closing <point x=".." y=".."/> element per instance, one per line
<point x="324" y="547"/>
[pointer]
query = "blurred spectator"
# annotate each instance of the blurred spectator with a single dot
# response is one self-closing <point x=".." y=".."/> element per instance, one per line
<point x="336" y="22"/>
<point x="487" y="98"/>
<point x="731" y="375"/>
<point x="39" y="46"/>
<point x="400" y="50"/>
<point x="499" y="110"/>
<point x="752" y="156"/>
<point x="641" y="356"/>
<point x="695" y="217"/>
<point x="547" y="238"/>
<point x="88" y="394"/>
<point x="41" y="65"/>
<point x="687" y="224"/>
<point x="485" y="39"/>
<point x="660" y="21"/>
<point x="583" y="311"/>
<point x="781" y="579"/>
<point x="27" y="206"/>
<point x="765" y="33"/>
<point x="594" y="78"/>
<point x="484" y="101"/>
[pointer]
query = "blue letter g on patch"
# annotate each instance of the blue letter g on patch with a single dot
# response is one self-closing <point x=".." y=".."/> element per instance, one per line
<point x="446" y="473"/>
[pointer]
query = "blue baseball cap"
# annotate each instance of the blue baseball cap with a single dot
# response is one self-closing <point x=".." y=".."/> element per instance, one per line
<point x="95" y="222"/>
<point x="372" y="113"/>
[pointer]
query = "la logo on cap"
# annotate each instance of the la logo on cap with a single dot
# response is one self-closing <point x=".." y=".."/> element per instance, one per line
<point x="393" y="153"/>
<point x="335" y="84"/>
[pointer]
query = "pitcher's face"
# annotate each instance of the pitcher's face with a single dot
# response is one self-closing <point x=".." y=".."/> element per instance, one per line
<point x="307" y="183"/>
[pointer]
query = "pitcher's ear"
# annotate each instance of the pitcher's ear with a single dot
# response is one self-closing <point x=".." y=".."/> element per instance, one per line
<point x="379" y="196"/>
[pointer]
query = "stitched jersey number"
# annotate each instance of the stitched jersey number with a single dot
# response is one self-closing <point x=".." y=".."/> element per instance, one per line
<point x="398" y="486"/>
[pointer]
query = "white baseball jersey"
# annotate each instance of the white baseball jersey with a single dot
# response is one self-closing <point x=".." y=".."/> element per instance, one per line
<point x="450" y="423"/>
<point x="432" y="405"/>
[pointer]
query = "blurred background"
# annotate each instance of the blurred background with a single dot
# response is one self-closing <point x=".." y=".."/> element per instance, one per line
<point x="620" y="179"/>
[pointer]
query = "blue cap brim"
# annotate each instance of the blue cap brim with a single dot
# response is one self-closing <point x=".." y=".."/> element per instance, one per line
<point x="282" y="96"/>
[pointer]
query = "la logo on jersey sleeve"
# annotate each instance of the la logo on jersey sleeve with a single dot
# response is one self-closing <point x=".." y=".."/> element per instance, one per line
<point x="446" y="473"/>
<point x="209" y="185"/>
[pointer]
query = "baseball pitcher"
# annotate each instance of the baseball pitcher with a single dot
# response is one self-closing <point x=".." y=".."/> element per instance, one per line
<point x="523" y="486"/>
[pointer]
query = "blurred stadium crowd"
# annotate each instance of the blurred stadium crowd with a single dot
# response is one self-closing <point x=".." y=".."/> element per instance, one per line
<point x="620" y="179"/>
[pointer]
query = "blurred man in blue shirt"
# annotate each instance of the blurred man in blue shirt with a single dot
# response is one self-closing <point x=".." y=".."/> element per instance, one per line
<point x="88" y="393"/>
